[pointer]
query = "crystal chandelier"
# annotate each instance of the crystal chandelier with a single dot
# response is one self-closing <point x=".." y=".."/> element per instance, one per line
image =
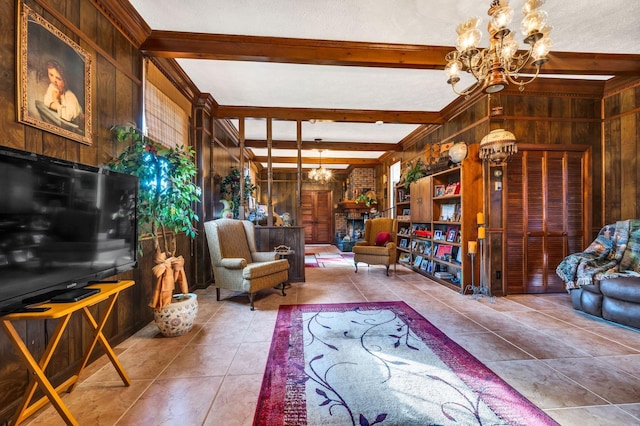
<point x="499" y="64"/>
<point x="320" y="175"/>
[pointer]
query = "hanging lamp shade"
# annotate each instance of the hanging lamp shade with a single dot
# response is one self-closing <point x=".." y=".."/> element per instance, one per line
<point x="498" y="146"/>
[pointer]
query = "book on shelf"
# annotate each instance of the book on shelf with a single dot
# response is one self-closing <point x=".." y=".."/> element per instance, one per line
<point x="405" y="258"/>
<point x="443" y="275"/>
<point x="404" y="217"/>
<point x="404" y="242"/>
<point x="417" y="261"/>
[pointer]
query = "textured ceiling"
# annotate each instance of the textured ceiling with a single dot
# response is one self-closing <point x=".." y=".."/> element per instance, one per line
<point x="587" y="26"/>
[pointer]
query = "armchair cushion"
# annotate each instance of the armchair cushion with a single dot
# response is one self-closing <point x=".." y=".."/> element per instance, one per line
<point x="383" y="238"/>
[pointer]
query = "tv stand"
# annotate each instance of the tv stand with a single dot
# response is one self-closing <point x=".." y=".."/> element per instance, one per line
<point x="28" y="309"/>
<point x="62" y="312"/>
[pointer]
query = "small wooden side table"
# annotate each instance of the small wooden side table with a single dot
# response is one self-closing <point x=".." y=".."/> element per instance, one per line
<point x="284" y="254"/>
<point x="63" y="312"/>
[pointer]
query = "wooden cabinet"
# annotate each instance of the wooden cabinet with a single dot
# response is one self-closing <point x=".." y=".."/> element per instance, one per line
<point x="421" y="209"/>
<point x="444" y="206"/>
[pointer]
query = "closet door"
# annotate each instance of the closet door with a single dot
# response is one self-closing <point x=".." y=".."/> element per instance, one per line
<point x="547" y="211"/>
<point x="316" y="217"/>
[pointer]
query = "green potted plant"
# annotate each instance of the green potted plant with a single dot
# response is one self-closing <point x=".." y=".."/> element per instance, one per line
<point x="166" y="197"/>
<point x="367" y="199"/>
<point x="414" y="171"/>
<point x="230" y="192"/>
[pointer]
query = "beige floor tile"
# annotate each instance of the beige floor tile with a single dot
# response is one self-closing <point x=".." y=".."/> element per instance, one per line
<point x="606" y="381"/>
<point x="488" y="347"/>
<point x="236" y="402"/>
<point x="183" y="401"/>
<point x="593" y="416"/>
<point x="544" y="386"/>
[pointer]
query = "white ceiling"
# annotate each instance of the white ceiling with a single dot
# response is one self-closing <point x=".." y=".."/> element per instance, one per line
<point x="588" y="26"/>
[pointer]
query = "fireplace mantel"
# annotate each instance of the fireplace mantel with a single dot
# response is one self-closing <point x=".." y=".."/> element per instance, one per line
<point x="352" y="206"/>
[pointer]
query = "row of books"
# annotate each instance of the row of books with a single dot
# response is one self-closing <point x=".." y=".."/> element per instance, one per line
<point x="424" y="264"/>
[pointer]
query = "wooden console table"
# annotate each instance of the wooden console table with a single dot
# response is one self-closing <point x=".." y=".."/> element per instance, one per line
<point x="62" y="312"/>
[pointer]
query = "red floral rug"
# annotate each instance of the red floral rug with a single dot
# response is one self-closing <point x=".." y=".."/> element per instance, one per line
<point x="379" y="364"/>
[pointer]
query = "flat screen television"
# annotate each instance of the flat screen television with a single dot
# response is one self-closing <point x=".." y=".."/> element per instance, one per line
<point x="62" y="226"/>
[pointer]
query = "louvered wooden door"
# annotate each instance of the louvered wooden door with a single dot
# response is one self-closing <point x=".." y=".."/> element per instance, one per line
<point x="547" y="215"/>
<point x="317" y="217"/>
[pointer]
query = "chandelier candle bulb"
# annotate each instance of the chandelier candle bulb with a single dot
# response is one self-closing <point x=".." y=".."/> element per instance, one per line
<point x="481" y="233"/>
<point x="480" y="218"/>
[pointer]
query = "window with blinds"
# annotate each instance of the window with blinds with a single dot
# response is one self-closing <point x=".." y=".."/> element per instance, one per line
<point x="166" y="121"/>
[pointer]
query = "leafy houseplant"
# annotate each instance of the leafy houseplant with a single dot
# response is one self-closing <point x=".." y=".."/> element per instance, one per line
<point x="367" y="199"/>
<point x="230" y="189"/>
<point x="167" y="192"/>
<point x="413" y="172"/>
<point x="166" y="197"/>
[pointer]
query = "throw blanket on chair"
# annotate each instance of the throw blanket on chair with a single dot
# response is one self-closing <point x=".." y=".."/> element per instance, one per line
<point x="615" y="250"/>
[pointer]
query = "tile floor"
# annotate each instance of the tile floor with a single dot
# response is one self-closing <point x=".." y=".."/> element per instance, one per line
<point x="580" y="370"/>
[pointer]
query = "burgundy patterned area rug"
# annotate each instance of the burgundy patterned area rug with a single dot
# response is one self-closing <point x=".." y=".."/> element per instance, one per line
<point x="379" y="364"/>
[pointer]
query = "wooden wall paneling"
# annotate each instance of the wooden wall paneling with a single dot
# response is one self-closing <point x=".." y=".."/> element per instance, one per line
<point x="628" y="158"/>
<point x="204" y="159"/>
<point x="575" y="203"/>
<point x="12" y="131"/>
<point x="560" y="131"/>
<point x="613" y="181"/>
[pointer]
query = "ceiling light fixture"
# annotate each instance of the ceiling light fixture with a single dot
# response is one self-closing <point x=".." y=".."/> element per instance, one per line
<point x="499" y="64"/>
<point x="498" y="146"/>
<point x="320" y="175"/>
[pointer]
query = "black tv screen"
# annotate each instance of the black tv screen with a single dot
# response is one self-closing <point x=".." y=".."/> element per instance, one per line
<point x="62" y="225"/>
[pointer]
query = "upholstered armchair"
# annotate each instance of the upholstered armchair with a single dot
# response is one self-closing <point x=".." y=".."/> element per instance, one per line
<point x="236" y="263"/>
<point x="378" y="247"/>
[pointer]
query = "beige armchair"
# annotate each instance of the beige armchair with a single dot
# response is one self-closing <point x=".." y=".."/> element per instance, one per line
<point x="378" y="247"/>
<point x="236" y="263"/>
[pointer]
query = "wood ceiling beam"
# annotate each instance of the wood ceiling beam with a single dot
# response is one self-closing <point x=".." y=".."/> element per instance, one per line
<point x="325" y="161"/>
<point x="328" y="146"/>
<point x="346" y="115"/>
<point x="174" y="44"/>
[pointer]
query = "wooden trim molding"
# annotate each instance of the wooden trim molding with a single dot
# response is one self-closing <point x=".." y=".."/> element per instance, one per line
<point x="126" y="19"/>
<point x="176" y="75"/>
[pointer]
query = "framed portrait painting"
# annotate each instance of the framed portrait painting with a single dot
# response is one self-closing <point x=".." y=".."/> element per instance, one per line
<point x="54" y="79"/>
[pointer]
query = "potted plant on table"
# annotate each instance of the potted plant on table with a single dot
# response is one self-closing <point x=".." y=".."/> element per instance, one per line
<point x="230" y="192"/>
<point x="166" y="198"/>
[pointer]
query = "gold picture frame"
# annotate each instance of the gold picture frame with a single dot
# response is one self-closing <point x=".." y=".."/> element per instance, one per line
<point x="54" y="76"/>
